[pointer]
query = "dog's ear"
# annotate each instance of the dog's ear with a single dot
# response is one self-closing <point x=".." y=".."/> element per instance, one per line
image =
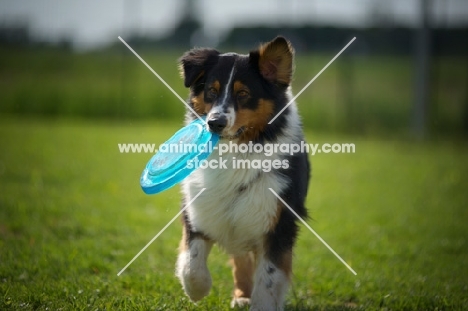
<point x="194" y="63"/>
<point x="275" y="60"/>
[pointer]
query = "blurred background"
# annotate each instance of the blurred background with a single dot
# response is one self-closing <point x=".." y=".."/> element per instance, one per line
<point x="405" y="75"/>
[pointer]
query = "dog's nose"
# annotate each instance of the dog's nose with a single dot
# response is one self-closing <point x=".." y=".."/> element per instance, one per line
<point x="217" y="123"/>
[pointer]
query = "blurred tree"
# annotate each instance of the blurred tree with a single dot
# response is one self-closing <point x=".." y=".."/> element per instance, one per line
<point x="188" y="25"/>
<point x="15" y="34"/>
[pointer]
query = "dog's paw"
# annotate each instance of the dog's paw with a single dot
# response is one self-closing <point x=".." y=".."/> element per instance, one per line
<point x="240" y="302"/>
<point x="194" y="277"/>
<point x="197" y="284"/>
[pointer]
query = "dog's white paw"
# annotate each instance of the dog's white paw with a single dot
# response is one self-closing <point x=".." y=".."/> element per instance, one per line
<point x="194" y="276"/>
<point x="240" y="302"/>
<point x="197" y="284"/>
<point x="270" y="288"/>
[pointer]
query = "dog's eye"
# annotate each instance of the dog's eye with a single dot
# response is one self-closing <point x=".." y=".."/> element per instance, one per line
<point x="242" y="94"/>
<point x="212" y="93"/>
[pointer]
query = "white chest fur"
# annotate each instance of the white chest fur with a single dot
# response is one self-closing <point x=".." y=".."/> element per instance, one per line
<point x="236" y="209"/>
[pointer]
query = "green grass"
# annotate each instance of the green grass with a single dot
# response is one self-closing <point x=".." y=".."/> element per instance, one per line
<point x="72" y="215"/>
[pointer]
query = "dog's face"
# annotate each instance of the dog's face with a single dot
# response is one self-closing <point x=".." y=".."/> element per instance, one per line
<point x="239" y="94"/>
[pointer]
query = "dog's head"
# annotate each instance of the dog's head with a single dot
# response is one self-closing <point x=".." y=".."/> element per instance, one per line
<point x="239" y="94"/>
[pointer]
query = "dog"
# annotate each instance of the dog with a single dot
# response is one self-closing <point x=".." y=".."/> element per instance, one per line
<point x="239" y="95"/>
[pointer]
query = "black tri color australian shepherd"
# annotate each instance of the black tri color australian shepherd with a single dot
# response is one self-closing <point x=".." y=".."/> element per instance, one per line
<point x="239" y="95"/>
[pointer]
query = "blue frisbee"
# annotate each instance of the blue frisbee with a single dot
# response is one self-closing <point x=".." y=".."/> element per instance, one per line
<point x="175" y="159"/>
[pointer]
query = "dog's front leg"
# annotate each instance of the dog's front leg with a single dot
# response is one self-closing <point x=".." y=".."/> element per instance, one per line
<point x="270" y="286"/>
<point x="274" y="265"/>
<point x="242" y="270"/>
<point x="191" y="265"/>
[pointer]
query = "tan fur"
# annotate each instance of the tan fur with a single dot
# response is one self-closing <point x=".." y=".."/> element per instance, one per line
<point x="276" y="61"/>
<point x="183" y="245"/>
<point x="274" y="220"/>
<point x="285" y="263"/>
<point x="253" y="121"/>
<point x="242" y="271"/>
<point x="216" y="85"/>
<point x="199" y="104"/>
<point x="239" y="86"/>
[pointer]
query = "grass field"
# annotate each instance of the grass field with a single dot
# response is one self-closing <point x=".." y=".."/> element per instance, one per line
<point x="72" y="215"/>
<point x="363" y="94"/>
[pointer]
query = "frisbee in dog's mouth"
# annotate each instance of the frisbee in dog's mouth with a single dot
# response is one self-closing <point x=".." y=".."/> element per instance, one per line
<point x="172" y="163"/>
